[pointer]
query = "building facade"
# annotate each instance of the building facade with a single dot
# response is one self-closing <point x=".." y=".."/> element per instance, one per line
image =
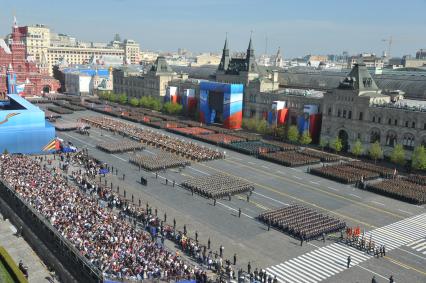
<point x="240" y="70"/>
<point x="152" y="83"/>
<point x="48" y="48"/>
<point x="31" y="78"/>
<point x="87" y="81"/>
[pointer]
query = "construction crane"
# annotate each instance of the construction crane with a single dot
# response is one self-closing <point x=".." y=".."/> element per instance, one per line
<point x="389" y="41"/>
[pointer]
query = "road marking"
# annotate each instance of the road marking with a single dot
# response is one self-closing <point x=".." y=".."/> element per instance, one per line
<point x="297" y="177"/>
<point x="236" y="158"/>
<point x="80" y="140"/>
<point x="334" y="189"/>
<point x="266" y="167"/>
<point x="313" y="182"/>
<point x="405" y="211"/>
<point x="320" y="190"/>
<point x="375" y="273"/>
<point x="294" y="169"/>
<point x="280" y="202"/>
<point x="323" y="262"/>
<point x="406" y="266"/>
<point x="376" y="202"/>
<point x="233" y="209"/>
<point x="252" y="163"/>
<point x="150" y="152"/>
<point x="355" y="196"/>
<point x="293" y="197"/>
<point x="119" y="157"/>
<point x="202" y="172"/>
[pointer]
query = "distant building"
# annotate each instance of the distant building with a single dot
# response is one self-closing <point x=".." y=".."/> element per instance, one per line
<point x="206" y="59"/>
<point x="30" y="78"/>
<point x="87" y="81"/>
<point x="419" y="61"/>
<point x="237" y="69"/>
<point x="152" y="83"/>
<point x="41" y="44"/>
<point x="370" y="61"/>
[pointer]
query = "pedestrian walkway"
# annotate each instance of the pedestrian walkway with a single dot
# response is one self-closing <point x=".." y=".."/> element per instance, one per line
<point x="419" y="245"/>
<point x="317" y="265"/>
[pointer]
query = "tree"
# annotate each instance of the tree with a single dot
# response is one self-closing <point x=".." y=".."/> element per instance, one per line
<point x="337" y="145"/>
<point x="323" y="143"/>
<point x="398" y="155"/>
<point x="376" y="151"/>
<point x="112" y="97"/>
<point x="122" y="98"/>
<point x="292" y="133"/>
<point x="134" y="101"/>
<point x="305" y="138"/>
<point x="172" y="108"/>
<point x="280" y="131"/>
<point x="357" y="149"/>
<point x="5" y="151"/>
<point x="262" y="126"/>
<point x="418" y="159"/>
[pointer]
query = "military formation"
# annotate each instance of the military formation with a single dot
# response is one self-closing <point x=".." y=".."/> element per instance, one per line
<point x="301" y="222"/>
<point x="121" y="146"/>
<point x="289" y="158"/>
<point x="179" y="147"/>
<point x="404" y="189"/>
<point x="344" y="173"/>
<point x="159" y="161"/>
<point x="217" y="186"/>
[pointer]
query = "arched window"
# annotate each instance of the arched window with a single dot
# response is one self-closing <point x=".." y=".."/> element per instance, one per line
<point x="391" y="138"/>
<point x="408" y="141"/>
<point x="374" y="135"/>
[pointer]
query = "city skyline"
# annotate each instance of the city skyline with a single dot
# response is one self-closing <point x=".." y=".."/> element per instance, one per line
<point x="298" y="28"/>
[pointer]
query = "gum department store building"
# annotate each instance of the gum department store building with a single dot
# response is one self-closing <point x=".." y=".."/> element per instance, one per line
<point x="356" y="109"/>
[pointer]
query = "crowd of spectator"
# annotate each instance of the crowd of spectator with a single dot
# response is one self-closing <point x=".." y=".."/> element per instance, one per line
<point x="289" y="158"/>
<point x="180" y="147"/>
<point x="159" y="161"/>
<point x="120" y="146"/>
<point x="344" y="173"/>
<point x="217" y="186"/>
<point x="404" y="189"/>
<point x="301" y="222"/>
<point x="110" y="243"/>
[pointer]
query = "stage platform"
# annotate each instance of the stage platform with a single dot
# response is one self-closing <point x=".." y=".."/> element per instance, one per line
<point x="23" y="128"/>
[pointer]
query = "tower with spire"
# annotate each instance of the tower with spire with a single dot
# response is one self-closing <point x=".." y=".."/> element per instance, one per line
<point x="241" y="69"/>
<point x="224" y="61"/>
<point x="278" y="60"/>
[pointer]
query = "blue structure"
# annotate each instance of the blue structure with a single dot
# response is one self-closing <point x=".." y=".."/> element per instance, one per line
<point x="221" y="102"/>
<point x="23" y="128"/>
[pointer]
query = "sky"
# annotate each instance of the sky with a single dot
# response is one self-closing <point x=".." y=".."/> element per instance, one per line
<point x="299" y="27"/>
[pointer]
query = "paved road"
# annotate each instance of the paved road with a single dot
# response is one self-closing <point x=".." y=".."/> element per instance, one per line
<point x="276" y="186"/>
<point x="20" y="250"/>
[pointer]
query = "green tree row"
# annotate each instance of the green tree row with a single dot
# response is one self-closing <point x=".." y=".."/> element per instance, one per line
<point x="145" y="102"/>
<point x="375" y="152"/>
